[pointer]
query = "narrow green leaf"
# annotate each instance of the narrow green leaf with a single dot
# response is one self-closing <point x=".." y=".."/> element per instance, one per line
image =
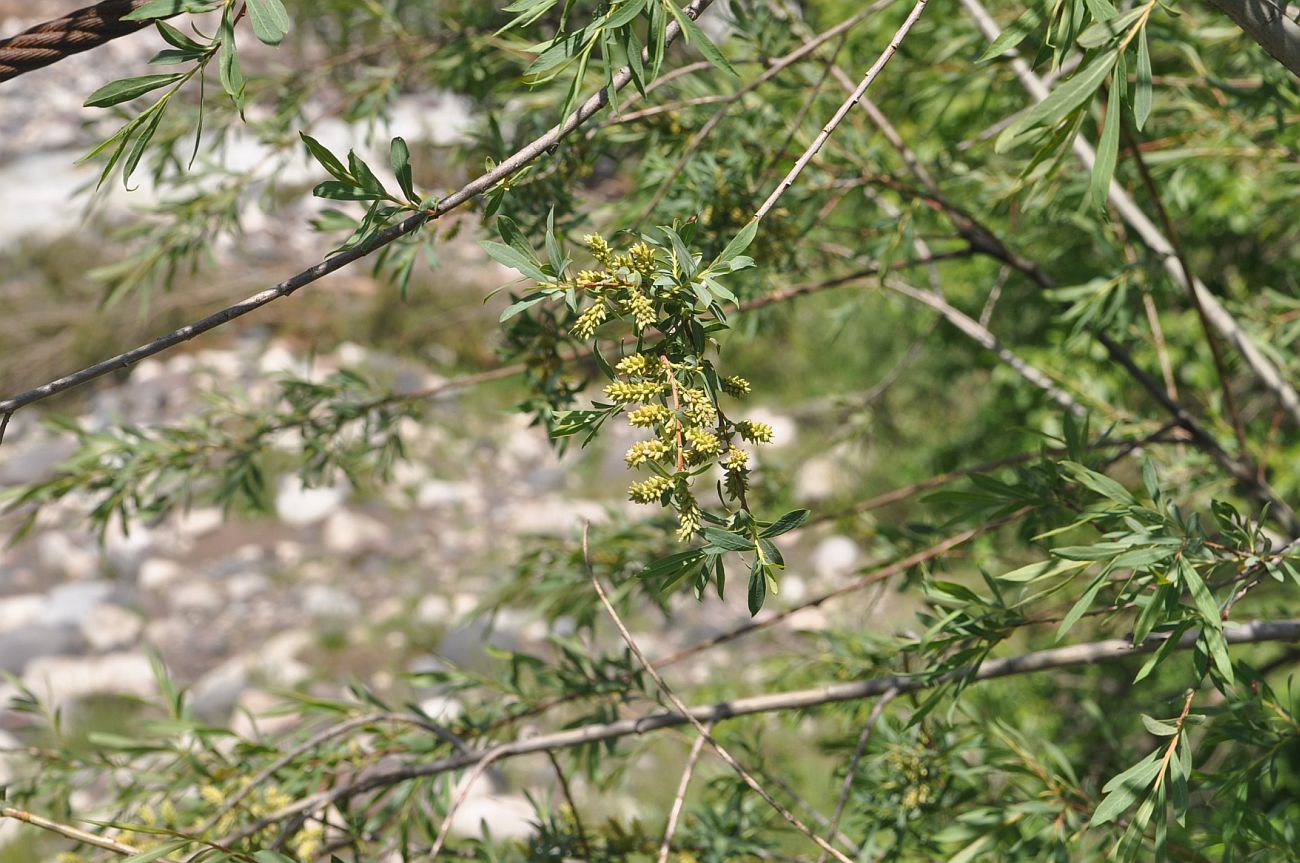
<point x="1099" y="482"/>
<point x="1124" y="790"/>
<point x="1159" y="728"/>
<point x="126" y="89"/>
<point x="168" y="8"/>
<point x="738" y="243"/>
<point x="695" y="36"/>
<point x="1103" y="169"/>
<point x="1043" y="569"/>
<point x="1012" y="35"/>
<point x="1080" y="606"/>
<point x="510" y="256"/>
<point x="786" y="523"/>
<point x="157" y="852"/>
<point x="327" y="159"/>
<point x="728" y="541"/>
<point x="1060" y="102"/>
<point x="270" y="20"/>
<point x="520" y="306"/>
<point x="399" y="156"/>
<point x="757" y="588"/>
<point x="1142" y="89"/>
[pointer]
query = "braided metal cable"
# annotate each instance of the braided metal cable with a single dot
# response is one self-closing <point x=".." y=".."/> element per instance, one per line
<point x="76" y="32"/>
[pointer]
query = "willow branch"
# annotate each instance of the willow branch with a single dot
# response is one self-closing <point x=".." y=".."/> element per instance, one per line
<point x="1110" y="650"/>
<point x="1227" y="326"/>
<point x="410" y="225"/>
<point x="829" y="129"/>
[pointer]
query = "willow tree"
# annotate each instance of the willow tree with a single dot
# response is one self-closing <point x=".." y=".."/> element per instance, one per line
<point x="1027" y="276"/>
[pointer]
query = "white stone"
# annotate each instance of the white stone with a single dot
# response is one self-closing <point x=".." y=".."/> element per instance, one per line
<point x="59" y="679"/>
<point x="508" y="816"/>
<point x="436" y="493"/>
<point x="442" y="708"/>
<point x="72" y="603"/>
<point x="328" y="604"/>
<point x="224" y="365"/>
<point x="21" y="610"/>
<point x="126" y="550"/>
<point x="277" y="660"/>
<point x="158" y="573"/>
<point x="59" y="555"/>
<point x="250" y="720"/>
<point x="350" y="354"/>
<point x="553" y="516"/>
<point x="794" y="589"/>
<point x="147" y="370"/>
<point x="289" y="553"/>
<point x="111" y="627"/>
<point x="298" y="505"/>
<point x="278" y="359"/>
<point x="194" y="523"/>
<point x="348" y="534"/>
<point x="835" y="556"/>
<point x="818" y="479"/>
<point x="243" y="586"/>
<point x="434" y="610"/>
<point x="197" y="596"/>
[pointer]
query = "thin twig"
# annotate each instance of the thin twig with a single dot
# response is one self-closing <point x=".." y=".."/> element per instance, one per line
<point x="876" y="712"/>
<point x="680" y="798"/>
<point x="1111" y="650"/>
<point x="1186" y="279"/>
<point x="777" y="66"/>
<point x="69" y="832"/>
<point x="844" y="109"/>
<point x="410" y="225"/>
<point x="1269" y="375"/>
<point x="573" y="805"/>
<point x="703" y="731"/>
<point x="336" y="730"/>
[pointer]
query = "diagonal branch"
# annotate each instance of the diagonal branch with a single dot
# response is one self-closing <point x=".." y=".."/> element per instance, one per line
<point x="410" y="225"/>
<point x="1267" y="23"/>
<point x="1130" y="212"/>
<point x="1110" y="650"/>
<point x="829" y="129"/>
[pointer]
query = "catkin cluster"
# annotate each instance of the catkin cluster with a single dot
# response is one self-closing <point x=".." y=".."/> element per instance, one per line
<point x="664" y="388"/>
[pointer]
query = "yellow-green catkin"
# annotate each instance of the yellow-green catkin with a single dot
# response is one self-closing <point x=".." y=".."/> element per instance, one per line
<point x="645" y="451"/>
<point x="755" y="432"/>
<point x="585" y="327"/>
<point x="650" y="490"/>
<point x="600" y="250"/>
<point x="621" y="392"/>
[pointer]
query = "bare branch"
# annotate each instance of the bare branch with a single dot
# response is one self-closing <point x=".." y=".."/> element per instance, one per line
<point x="840" y="113"/>
<point x="1267" y="23"/>
<point x="703" y="731"/>
<point x="876" y="712"/>
<point x="666" y="846"/>
<point x="410" y="225"/>
<point x="1110" y="650"/>
<point x="73" y="833"/>
<point x="1218" y="316"/>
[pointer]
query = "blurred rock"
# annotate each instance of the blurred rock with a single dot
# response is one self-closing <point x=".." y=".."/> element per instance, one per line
<point x="60" y="679"/>
<point x="158" y="573"/>
<point x="349" y="534"/>
<point x="835" y="556"/>
<point x="21" y="610"/>
<point x="21" y="646"/>
<point x="72" y="603"/>
<point x="60" y="556"/>
<point x="327" y="604"/>
<point x="110" y="627"/>
<point x="297" y="505"/>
